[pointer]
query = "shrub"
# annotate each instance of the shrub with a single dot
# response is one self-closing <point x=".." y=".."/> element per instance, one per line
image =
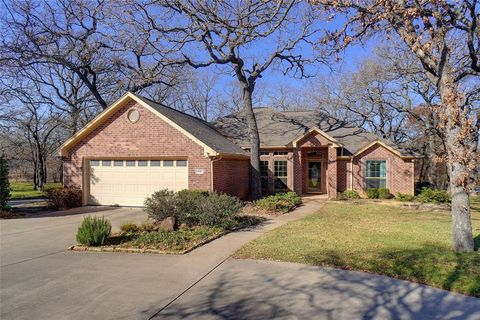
<point x="433" y="195"/>
<point x="219" y="210"/>
<point x="128" y="227"/>
<point x="351" y="194"/>
<point x="372" y="193"/>
<point x="405" y="197"/>
<point x="4" y="183"/>
<point x="194" y="207"/>
<point x="189" y="205"/>
<point x="282" y="202"/>
<point x="93" y="231"/>
<point x="384" y="193"/>
<point x="419" y="186"/>
<point x="163" y="204"/>
<point x="64" y="198"/>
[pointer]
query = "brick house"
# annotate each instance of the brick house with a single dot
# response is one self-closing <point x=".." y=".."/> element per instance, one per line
<point x="137" y="146"/>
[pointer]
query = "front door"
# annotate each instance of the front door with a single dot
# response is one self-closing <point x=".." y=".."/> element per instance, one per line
<point x="314" y="176"/>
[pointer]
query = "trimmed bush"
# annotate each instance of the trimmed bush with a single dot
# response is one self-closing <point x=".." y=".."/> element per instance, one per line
<point x="372" y="193"/>
<point x="351" y="194"/>
<point x="281" y="202"/>
<point x="194" y="207"/>
<point x="219" y="210"/>
<point x="384" y="193"/>
<point x="64" y="198"/>
<point x="191" y="211"/>
<point x="163" y="204"/>
<point x="405" y="197"/>
<point x="4" y="183"/>
<point x="433" y="195"/>
<point x="128" y="227"/>
<point x="94" y="231"/>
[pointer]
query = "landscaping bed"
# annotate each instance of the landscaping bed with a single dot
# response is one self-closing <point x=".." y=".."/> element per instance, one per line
<point x="182" y="221"/>
<point x="387" y="240"/>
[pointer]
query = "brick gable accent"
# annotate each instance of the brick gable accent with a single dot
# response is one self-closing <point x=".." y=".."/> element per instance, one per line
<point x="400" y="172"/>
<point x="149" y="137"/>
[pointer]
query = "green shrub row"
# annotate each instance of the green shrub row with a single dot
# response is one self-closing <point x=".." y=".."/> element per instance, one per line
<point x="433" y="195"/>
<point x="64" y="198"/>
<point x="404" y="197"/>
<point x="94" y="231"/>
<point x="281" y="202"/>
<point x="194" y="207"/>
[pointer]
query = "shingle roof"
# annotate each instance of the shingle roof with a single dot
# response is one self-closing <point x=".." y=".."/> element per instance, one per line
<point x="198" y="128"/>
<point x="281" y="128"/>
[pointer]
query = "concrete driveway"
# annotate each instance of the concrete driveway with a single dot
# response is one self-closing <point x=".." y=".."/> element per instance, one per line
<point x="39" y="279"/>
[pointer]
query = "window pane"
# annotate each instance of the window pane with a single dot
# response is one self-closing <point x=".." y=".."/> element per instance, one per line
<point x="155" y="163"/>
<point x="142" y="163"/>
<point x="264" y="153"/>
<point x="106" y="163"/>
<point x="280" y="172"/>
<point x="264" y="168"/>
<point x="118" y="163"/>
<point x="130" y="163"/>
<point x="376" y="175"/>
<point x="181" y="163"/>
<point x="168" y="163"/>
<point x="94" y="163"/>
<point x="280" y="153"/>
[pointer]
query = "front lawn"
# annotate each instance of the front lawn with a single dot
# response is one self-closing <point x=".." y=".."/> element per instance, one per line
<point x="380" y="239"/>
<point x="22" y="190"/>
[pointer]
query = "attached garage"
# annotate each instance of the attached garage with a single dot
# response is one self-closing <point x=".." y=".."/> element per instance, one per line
<point x="137" y="146"/>
<point x="130" y="182"/>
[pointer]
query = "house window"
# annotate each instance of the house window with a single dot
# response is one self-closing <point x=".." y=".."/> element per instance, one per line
<point x="280" y="153"/>
<point x="118" y="163"/>
<point x="142" y="163"/>
<point x="130" y="163"/>
<point x="94" y="163"/>
<point x="376" y="174"/>
<point x="106" y="163"/>
<point x="264" y="153"/>
<point x="314" y="153"/>
<point x="155" y="163"/>
<point x="168" y="163"/>
<point x="264" y="174"/>
<point x="280" y="172"/>
<point x="181" y="163"/>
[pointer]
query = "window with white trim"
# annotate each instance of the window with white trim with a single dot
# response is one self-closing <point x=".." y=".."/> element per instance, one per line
<point x="280" y="172"/>
<point x="264" y="174"/>
<point x="376" y="174"/>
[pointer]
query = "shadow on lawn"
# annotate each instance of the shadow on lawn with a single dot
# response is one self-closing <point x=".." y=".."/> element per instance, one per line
<point x="286" y="292"/>
<point x="417" y="265"/>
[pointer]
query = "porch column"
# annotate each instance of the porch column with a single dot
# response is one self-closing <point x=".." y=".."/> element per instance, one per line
<point x="332" y="172"/>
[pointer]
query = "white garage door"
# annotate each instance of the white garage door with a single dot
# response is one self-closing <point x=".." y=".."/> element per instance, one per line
<point x="129" y="182"/>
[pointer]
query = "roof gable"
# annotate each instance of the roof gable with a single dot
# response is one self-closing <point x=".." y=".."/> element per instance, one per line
<point x="197" y="130"/>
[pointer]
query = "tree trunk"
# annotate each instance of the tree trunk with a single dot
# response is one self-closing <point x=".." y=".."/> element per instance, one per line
<point x="458" y="156"/>
<point x="255" y="183"/>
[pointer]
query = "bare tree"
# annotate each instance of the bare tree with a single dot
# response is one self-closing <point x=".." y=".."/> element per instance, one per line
<point x="86" y="38"/>
<point x="444" y="37"/>
<point x="246" y="37"/>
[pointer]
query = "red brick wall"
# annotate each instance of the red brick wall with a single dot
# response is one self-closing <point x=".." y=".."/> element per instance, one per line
<point x="400" y="177"/>
<point x="332" y="173"/>
<point x="343" y="175"/>
<point x="149" y="137"/>
<point x="231" y="176"/>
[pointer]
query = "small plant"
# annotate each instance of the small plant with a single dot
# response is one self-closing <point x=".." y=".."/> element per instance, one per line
<point x="433" y="195"/>
<point x="384" y="193"/>
<point x="128" y="227"/>
<point x="372" y="193"/>
<point x="4" y="183"/>
<point x="189" y="201"/>
<point x="163" y="204"/>
<point x="281" y="202"/>
<point x="351" y="194"/>
<point x="405" y="197"/>
<point x="64" y="198"/>
<point x="94" y="231"/>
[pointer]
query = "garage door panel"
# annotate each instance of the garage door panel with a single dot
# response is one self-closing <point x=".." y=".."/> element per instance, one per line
<point x="118" y="184"/>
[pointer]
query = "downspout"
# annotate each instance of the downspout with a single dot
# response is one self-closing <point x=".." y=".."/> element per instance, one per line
<point x="213" y="159"/>
<point x="351" y="173"/>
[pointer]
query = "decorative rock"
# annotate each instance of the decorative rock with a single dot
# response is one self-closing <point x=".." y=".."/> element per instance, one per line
<point x="167" y="224"/>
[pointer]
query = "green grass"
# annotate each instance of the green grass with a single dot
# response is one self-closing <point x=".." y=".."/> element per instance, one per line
<point x="380" y="239"/>
<point x="22" y="190"/>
